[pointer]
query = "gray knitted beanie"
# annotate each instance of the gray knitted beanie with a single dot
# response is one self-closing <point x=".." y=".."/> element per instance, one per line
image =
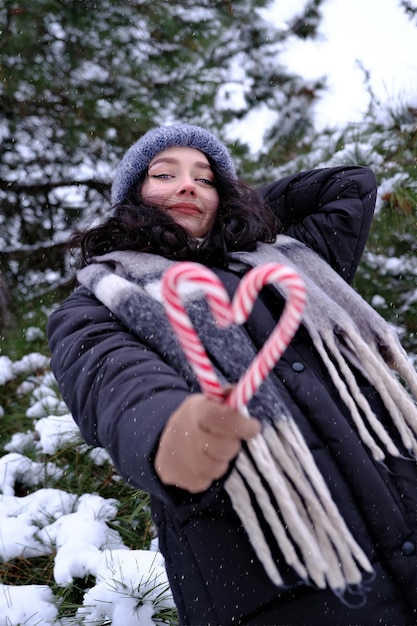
<point x="138" y="157"/>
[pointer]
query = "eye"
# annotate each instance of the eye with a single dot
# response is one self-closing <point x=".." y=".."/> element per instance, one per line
<point x="161" y="176"/>
<point x="206" y="181"/>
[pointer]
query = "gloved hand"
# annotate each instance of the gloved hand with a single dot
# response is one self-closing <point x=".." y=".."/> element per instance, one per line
<point x="198" y="442"/>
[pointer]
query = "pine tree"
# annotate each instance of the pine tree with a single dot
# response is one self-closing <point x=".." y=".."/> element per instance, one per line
<point x="80" y="81"/>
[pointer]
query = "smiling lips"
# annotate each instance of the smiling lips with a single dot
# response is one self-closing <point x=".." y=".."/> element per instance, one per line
<point x="185" y="207"/>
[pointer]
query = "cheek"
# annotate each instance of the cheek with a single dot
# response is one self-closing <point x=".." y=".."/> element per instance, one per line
<point x="154" y="191"/>
<point x="146" y="190"/>
<point x="213" y="203"/>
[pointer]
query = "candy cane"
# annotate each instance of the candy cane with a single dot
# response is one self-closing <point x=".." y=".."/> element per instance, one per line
<point x="225" y="313"/>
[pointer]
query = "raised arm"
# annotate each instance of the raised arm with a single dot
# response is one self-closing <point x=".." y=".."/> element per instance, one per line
<point x="330" y="210"/>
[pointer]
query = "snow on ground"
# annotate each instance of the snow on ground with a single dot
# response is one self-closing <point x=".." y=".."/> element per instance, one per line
<point x="130" y="585"/>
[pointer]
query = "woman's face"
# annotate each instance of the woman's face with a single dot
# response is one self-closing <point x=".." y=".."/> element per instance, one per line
<point x="181" y="182"/>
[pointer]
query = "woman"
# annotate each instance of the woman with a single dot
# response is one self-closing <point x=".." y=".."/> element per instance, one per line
<point x="325" y="533"/>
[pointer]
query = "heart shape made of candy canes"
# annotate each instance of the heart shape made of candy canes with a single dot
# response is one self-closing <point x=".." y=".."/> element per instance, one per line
<point x="226" y="313"/>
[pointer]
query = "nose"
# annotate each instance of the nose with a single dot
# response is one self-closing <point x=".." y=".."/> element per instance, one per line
<point x="187" y="187"/>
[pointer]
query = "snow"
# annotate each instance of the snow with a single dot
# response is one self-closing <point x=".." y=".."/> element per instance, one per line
<point x="118" y="600"/>
<point x="130" y="585"/>
<point x="31" y="605"/>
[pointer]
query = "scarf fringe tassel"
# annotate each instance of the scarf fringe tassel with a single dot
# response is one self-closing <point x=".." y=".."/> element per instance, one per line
<point x="279" y="471"/>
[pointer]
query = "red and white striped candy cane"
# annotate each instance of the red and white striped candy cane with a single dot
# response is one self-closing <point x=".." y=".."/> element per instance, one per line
<point x="225" y="313"/>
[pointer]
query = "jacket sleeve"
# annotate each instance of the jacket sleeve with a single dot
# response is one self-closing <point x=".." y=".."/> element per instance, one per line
<point x="119" y="392"/>
<point x="330" y="210"/>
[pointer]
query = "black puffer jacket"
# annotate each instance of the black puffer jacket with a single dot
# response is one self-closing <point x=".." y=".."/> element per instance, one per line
<point x="121" y="395"/>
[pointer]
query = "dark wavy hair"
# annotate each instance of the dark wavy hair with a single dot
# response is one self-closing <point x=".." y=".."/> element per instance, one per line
<point x="243" y="218"/>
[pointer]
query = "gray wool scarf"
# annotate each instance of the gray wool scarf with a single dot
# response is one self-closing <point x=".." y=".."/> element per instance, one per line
<point x="276" y="467"/>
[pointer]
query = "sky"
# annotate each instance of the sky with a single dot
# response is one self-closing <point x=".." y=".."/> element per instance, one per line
<point x="376" y="33"/>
